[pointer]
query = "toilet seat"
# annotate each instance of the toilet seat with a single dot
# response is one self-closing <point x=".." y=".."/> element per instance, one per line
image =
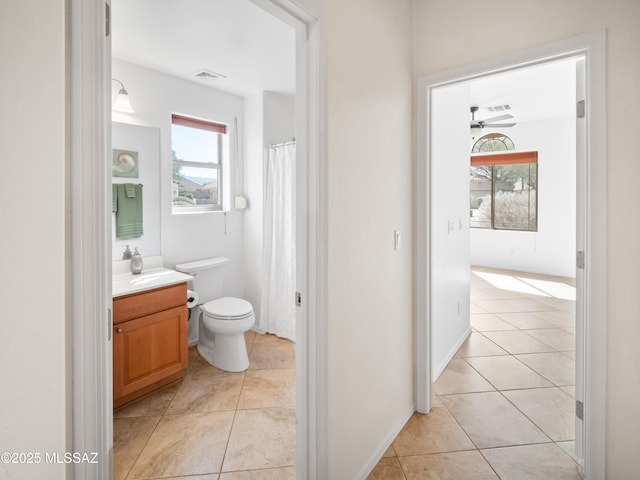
<point x="228" y="308"/>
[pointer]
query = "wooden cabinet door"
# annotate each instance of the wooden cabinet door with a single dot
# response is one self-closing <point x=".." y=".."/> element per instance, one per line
<point x="148" y="349"/>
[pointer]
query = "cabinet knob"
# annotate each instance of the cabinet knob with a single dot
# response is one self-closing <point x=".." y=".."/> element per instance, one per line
<point x="118" y="330"/>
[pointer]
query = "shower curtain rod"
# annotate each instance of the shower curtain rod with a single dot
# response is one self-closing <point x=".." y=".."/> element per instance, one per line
<point x="274" y="145"/>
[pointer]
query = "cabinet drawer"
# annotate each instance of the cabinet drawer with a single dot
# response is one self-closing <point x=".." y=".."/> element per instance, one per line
<point x="140" y="304"/>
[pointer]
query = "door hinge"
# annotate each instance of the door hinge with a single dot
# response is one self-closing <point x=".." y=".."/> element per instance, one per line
<point x="579" y="409"/>
<point x="298" y="299"/>
<point x="107" y="19"/>
<point x="580" y="260"/>
<point x="580" y="109"/>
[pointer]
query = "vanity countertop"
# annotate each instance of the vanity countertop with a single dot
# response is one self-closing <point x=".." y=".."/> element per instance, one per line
<point x="127" y="283"/>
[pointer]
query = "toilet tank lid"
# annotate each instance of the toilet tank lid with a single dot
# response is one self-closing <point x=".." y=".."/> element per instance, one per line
<point x="198" y="265"/>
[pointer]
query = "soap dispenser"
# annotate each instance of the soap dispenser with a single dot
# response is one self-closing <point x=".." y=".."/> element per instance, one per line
<point x="126" y="254"/>
<point x="136" y="262"/>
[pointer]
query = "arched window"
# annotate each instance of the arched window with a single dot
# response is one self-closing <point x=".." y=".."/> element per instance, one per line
<point x="493" y="142"/>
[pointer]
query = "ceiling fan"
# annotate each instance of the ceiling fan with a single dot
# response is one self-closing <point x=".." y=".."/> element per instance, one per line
<point x="489" y="122"/>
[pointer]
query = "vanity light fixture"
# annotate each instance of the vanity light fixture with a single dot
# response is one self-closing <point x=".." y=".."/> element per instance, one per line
<point x="121" y="103"/>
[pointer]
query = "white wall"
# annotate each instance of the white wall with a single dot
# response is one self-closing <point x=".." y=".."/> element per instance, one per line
<point x="367" y="44"/>
<point x="254" y="191"/>
<point x="550" y="250"/>
<point x="154" y="97"/>
<point x="269" y="118"/>
<point x="449" y="189"/>
<point x="442" y="42"/>
<point x="35" y="334"/>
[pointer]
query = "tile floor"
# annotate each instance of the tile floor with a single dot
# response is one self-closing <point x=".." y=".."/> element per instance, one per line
<point x="503" y="408"/>
<point x="215" y="425"/>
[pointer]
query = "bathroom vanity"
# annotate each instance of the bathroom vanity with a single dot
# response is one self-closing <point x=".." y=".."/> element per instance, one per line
<point x="149" y="332"/>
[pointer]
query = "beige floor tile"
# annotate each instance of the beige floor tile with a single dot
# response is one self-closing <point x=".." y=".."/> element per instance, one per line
<point x="279" y="354"/>
<point x="532" y="462"/>
<point x="207" y="391"/>
<point x="529" y="305"/>
<point x="287" y="473"/>
<point x="390" y="452"/>
<point x="571" y="354"/>
<point x="448" y="466"/>
<point x="477" y="345"/>
<point x="387" y="469"/>
<point x="213" y="476"/>
<point x="487" y="322"/>
<point x="557" y="338"/>
<point x="561" y="304"/>
<point x="569" y="389"/>
<point x="152" y="405"/>
<point x="191" y="444"/>
<point x="497" y="306"/>
<point x="558" y="318"/>
<point x="554" y="366"/>
<point x="272" y="339"/>
<point x="460" y="377"/>
<point x="507" y="373"/>
<point x="515" y="341"/>
<point x="551" y="409"/>
<point x="491" y="421"/>
<point x="129" y="438"/>
<point x="268" y="388"/>
<point x="475" y="309"/>
<point x="525" y="320"/>
<point x="262" y="438"/>
<point x="435" y="401"/>
<point x="435" y="432"/>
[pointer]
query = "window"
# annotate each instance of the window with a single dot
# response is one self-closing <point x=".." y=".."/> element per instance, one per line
<point x="493" y="142"/>
<point x="197" y="149"/>
<point x="503" y="190"/>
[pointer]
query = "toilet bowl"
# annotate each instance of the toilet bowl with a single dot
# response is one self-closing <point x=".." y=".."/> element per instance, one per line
<point x="223" y="323"/>
<point x="219" y="322"/>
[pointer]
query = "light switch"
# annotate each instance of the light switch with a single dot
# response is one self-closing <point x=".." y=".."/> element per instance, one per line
<point x="396" y="239"/>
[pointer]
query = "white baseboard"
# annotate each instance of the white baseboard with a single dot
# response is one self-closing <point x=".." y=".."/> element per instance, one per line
<point x="386" y="443"/>
<point x="440" y="368"/>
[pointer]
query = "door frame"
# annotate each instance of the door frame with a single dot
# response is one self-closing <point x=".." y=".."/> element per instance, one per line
<point x="89" y="303"/>
<point x="592" y="47"/>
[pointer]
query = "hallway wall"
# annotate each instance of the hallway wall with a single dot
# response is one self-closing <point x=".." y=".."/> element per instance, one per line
<point x="35" y="335"/>
<point x="442" y="42"/>
<point x="369" y="155"/>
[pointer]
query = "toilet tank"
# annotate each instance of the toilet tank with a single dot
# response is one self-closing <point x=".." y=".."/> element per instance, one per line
<point x="208" y="276"/>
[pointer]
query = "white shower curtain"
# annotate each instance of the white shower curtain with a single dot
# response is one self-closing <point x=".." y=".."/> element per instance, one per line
<point x="277" y="309"/>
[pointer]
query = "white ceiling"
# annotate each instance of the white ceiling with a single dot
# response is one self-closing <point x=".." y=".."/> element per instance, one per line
<point x="253" y="49"/>
<point x="256" y="52"/>
<point x="534" y="93"/>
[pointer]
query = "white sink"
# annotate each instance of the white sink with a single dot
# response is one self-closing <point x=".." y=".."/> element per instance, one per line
<point x="127" y="283"/>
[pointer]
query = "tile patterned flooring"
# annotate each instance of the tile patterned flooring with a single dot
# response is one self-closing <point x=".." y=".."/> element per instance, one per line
<point x="215" y="425"/>
<point x="504" y="407"/>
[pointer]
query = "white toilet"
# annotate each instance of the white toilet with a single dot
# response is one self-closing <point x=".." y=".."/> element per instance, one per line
<point x="221" y="322"/>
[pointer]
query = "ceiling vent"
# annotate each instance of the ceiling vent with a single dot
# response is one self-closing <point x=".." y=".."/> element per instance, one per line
<point x="205" y="74"/>
<point x="499" y="108"/>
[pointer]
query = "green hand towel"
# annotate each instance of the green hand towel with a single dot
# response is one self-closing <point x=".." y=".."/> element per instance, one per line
<point x="130" y="190"/>
<point x="128" y="211"/>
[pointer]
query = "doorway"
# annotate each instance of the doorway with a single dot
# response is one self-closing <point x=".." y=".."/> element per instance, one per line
<point x="91" y="270"/>
<point x="590" y="225"/>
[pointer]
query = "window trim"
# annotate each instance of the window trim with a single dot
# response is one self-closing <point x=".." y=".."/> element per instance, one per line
<point x="209" y="126"/>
